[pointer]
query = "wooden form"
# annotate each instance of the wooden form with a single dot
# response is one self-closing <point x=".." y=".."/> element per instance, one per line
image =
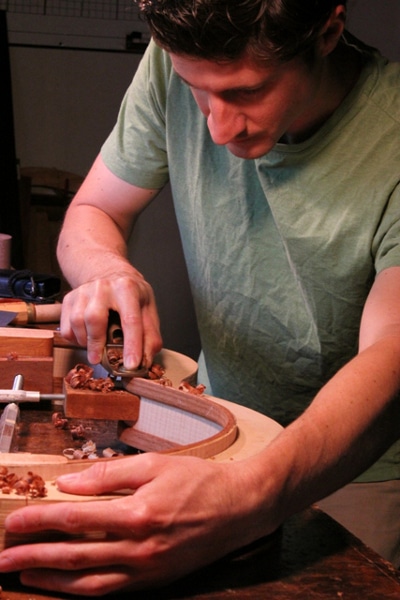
<point x="27" y="352"/>
<point x="236" y="433"/>
<point x="254" y="432"/>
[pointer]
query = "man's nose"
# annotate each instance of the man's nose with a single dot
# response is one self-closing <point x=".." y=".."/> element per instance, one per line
<point x="224" y="121"/>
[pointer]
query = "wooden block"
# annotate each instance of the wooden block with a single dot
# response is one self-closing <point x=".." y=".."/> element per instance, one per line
<point x="27" y="352"/>
<point x="88" y="404"/>
<point x="17" y="341"/>
<point x="37" y="373"/>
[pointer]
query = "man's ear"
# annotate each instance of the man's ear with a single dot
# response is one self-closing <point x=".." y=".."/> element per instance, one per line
<point x="332" y="31"/>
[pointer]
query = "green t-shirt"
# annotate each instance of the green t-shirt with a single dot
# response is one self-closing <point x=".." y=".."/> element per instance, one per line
<point x="282" y="250"/>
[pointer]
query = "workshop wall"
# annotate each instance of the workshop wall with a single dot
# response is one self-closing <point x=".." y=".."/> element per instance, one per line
<point x="65" y="103"/>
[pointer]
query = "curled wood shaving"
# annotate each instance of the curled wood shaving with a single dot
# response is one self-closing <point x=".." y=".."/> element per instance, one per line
<point x="30" y="485"/>
<point x="59" y="421"/>
<point x="110" y="453"/>
<point x="88" y="450"/>
<point x="78" y="432"/>
<point x="156" y="372"/>
<point x="197" y="390"/>
<point x="81" y="377"/>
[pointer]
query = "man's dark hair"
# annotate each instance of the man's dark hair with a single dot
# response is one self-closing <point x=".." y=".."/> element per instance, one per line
<point x="276" y="30"/>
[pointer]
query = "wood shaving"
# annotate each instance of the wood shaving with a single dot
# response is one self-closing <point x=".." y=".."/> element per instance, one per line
<point x="30" y="485"/>
<point x="197" y="390"/>
<point x="59" y="421"/>
<point x="81" y="377"/>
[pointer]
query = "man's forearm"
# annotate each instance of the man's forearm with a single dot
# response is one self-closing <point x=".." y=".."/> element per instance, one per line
<point x="97" y="225"/>
<point x="349" y="425"/>
<point x="93" y="258"/>
<point x="93" y="249"/>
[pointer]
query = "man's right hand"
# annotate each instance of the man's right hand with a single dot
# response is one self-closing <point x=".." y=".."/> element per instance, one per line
<point x="92" y="252"/>
<point x="85" y="314"/>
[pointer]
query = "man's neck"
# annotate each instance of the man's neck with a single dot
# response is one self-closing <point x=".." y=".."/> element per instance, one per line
<point x="340" y="74"/>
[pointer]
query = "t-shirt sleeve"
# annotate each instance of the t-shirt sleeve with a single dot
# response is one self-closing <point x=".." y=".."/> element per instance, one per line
<point x="135" y="150"/>
<point x="387" y="238"/>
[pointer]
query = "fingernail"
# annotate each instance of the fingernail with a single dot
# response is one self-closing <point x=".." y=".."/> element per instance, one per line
<point x="6" y="564"/>
<point x="14" y="523"/>
<point x="68" y="478"/>
<point x="130" y="362"/>
<point x="94" y="358"/>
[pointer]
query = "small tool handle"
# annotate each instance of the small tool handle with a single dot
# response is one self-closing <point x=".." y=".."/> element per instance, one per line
<point x="27" y="312"/>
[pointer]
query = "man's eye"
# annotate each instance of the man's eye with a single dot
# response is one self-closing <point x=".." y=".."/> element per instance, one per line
<point x="250" y="93"/>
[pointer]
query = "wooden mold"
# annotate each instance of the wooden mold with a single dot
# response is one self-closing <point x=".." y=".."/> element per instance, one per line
<point x="27" y="352"/>
<point x="169" y="421"/>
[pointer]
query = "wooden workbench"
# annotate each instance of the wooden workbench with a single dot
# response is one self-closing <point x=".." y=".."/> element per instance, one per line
<point x="312" y="558"/>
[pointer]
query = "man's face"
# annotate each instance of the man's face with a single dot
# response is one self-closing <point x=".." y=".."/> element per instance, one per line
<point x="250" y="107"/>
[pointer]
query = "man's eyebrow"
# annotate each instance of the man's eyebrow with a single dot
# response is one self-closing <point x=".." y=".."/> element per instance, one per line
<point x="240" y="88"/>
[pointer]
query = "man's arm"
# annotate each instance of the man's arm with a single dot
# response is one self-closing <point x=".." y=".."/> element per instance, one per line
<point x="354" y="418"/>
<point x="92" y="253"/>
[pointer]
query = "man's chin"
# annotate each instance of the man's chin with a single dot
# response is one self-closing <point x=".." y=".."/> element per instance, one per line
<point x="249" y="150"/>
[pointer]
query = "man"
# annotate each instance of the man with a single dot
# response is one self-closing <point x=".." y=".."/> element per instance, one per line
<point x="279" y="135"/>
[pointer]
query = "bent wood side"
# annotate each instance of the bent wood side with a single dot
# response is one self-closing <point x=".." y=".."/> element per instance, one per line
<point x="200" y="405"/>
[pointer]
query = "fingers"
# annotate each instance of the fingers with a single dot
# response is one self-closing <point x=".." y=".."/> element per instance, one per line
<point x="123" y="513"/>
<point x="76" y="567"/>
<point x="84" y="320"/>
<point x="110" y="476"/>
<point x="69" y="517"/>
<point x="132" y="301"/>
<point x="72" y="328"/>
<point x="76" y="555"/>
<point x="85" y="316"/>
<point x="94" y="583"/>
<point x="178" y="509"/>
<point x="139" y="512"/>
<point x="135" y="355"/>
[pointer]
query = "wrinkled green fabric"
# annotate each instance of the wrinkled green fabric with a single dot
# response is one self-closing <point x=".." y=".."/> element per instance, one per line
<point x="281" y="251"/>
